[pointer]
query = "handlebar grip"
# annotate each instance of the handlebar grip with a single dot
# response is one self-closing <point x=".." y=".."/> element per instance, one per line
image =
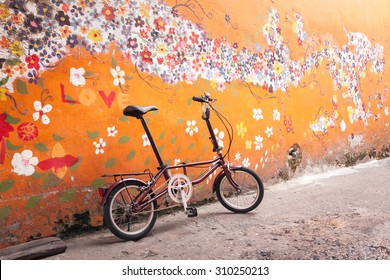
<point x="198" y="99"/>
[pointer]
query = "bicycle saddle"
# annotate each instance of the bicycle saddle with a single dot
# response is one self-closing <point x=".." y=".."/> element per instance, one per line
<point x="138" y="111"/>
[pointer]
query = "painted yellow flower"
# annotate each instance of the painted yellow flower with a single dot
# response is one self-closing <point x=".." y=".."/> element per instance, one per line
<point x="278" y="68"/>
<point x="16" y="48"/>
<point x="3" y="12"/>
<point x="241" y="129"/>
<point x="248" y="144"/>
<point x="202" y="58"/>
<point x="95" y="35"/>
<point x="213" y="84"/>
<point x="144" y="9"/>
<point x="161" y="49"/>
<point x="3" y="97"/>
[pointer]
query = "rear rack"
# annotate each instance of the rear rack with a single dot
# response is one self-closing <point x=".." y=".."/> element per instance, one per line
<point x="121" y="176"/>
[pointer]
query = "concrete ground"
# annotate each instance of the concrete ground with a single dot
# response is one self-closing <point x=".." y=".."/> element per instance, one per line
<point x="334" y="213"/>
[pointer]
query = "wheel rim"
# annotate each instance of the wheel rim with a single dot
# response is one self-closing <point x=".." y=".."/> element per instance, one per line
<point x="122" y="215"/>
<point x="243" y="198"/>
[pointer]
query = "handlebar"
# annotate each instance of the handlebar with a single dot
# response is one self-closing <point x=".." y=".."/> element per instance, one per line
<point x="203" y="99"/>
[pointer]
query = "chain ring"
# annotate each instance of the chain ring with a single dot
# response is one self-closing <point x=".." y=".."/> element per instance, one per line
<point x="180" y="188"/>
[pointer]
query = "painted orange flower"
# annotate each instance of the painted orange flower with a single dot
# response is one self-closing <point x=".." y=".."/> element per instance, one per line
<point x="160" y="23"/>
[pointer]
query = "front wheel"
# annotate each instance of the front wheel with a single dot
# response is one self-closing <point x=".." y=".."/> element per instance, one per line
<point x="121" y="215"/>
<point x="244" y="199"/>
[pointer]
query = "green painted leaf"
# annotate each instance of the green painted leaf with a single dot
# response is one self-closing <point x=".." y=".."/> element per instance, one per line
<point x="41" y="147"/>
<point x="147" y="161"/>
<point x="173" y="140"/>
<point x="74" y="167"/>
<point x="51" y="180"/>
<point x="131" y="155"/>
<point x="68" y="195"/>
<point x="178" y="150"/>
<point x="37" y="175"/>
<point x="205" y="148"/>
<point x="191" y="146"/>
<point x="12" y="120"/>
<point x="113" y="62"/>
<point x="4" y="212"/>
<point x="180" y="121"/>
<point x="33" y="201"/>
<point x="97" y="183"/>
<point x="124" y="139"/>
<point x="110" y="162"/>
<point x="93" y="134"/>
<point x="21" y="87"/>
<point x="4" y="81"/>
<point x="89" y="74"/>
<point x="6" y="185"/>
<point x="189" y="101"/>
<point x="41" y="83"/>
<point x="124" y="118"/>
<point x="57" y="137"/>
<point x="13" y="61"/>
<point x="128" y="78"/>
<point x="160" y="148"/>
<point x="162" y="135"/>
<point x="11" y="147"/>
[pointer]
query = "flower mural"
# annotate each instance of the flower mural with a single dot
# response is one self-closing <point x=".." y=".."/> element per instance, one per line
<point x="68" y="68"/>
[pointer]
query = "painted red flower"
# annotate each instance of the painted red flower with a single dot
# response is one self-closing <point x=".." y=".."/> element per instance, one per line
<point x="27" y="131"/>
<point x="108" y="12"/>
<point x="5" y="127"/>
<point x="33" y="62"/>
<point x="58" y="162"/>
<point x="146" y="56"/>
<point x="160" y="24"/>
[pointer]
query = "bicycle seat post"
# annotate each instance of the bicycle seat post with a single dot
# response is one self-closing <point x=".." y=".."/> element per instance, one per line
<point x="138" y="112"/>
<point x="151" y="140"/>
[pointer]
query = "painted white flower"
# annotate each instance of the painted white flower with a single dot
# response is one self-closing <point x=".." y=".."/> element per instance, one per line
<point x="177" y="161"/>
<point x="145" y="140"/>
<point x="112" y="131"/>
<point x="237" y="156"/>
<point x="191" y="127"/>
<point x="219" y="135"/>
<point x="269" y="131"/>
<point x="41" y="112"/>
<point x="99" y="146"/>
<point x="118" y="75"/>
<point x="386" y="111"/>
<point x="24" y="162"/>
<point x="258" y="142"/>
<point x="77" y="76"/>
<point x="276" y="115"/>
<point x="246" y="162"/>
<point x="343" y="126"/>
<point x="257" y="114"/>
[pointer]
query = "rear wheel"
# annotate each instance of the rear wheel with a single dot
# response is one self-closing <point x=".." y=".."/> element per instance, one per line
<point x="244" y="199"/>
<point x="121" y="216"/>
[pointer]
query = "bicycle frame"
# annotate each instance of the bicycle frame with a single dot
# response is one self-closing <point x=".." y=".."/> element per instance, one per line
<point x="164" y="169"/>
<point x="215" y="164"/>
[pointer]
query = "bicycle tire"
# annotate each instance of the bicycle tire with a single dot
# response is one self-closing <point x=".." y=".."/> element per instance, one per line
<point x="119" y="217"/>
<point x="251" y="192"/>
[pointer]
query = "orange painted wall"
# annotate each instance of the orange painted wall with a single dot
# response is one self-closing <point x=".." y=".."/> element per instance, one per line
<point x="284" y="72"/>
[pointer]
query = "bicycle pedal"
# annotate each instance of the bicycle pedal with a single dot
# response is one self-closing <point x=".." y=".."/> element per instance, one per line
<point x="191" y="212"/>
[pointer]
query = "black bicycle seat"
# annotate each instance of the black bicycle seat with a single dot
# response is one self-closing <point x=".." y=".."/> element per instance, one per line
<point x="138" y="111"/>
